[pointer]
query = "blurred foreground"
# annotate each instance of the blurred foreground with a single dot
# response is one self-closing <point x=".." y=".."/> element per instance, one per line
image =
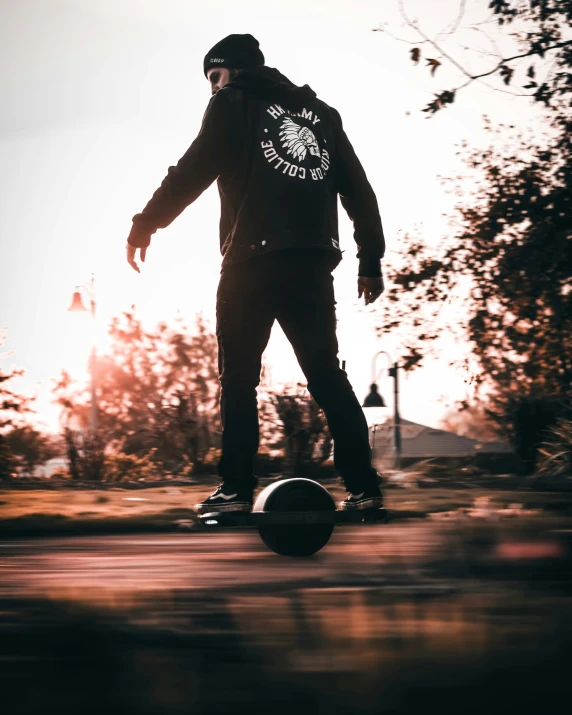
<point x="412" y="616"/>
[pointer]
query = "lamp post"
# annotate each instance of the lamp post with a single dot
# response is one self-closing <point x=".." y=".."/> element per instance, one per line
<point x="77" y="306"/>
<point x="374" y="399"/>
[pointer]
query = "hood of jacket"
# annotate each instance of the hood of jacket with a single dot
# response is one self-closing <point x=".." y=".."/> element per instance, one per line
<point x="271" y="85"/>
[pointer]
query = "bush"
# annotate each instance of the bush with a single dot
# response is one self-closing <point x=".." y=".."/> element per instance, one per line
<point x="7" y="461"/>
<point x="529" y="421"/>
<point x="129" y="467"/>
<point x="307" y="439"/>
<point x="556" y="451"/>
<point x="85" y="454"/>
<point x="208" y="464"/>
<point x="30" y="447"/>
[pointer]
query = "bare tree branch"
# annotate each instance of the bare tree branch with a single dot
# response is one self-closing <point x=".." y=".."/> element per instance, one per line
<point x="416" y="27"/>
<point x="447" y="96"/>
<point x="517" y="57"/>
<point x="395" y="37"/>
<point x="494" y="45"/>
<point x="455" y="24"/>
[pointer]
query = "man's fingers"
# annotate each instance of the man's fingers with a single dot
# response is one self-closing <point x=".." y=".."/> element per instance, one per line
<point x="131" y="253"/>
<point x="370" y="296"/>
<point x="370" y="288"/>
<point x="131" y="258"/>
<point x="374" y="296"/>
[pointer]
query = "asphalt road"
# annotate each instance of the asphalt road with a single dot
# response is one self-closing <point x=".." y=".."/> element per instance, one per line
<point x="416" y="553"/>
<point x="385" y="616"/>
<point x="233" y="560"/>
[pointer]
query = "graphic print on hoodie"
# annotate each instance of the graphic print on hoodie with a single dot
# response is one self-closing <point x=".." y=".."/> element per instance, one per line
<point x="299" y="143"/>
<point x="280" y="157"/>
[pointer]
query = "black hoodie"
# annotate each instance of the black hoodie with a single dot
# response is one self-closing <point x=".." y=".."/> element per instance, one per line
<point x="281" y="157"/>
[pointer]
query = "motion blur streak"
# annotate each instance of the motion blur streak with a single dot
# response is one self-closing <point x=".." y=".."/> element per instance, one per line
<point x="403" y="618"/>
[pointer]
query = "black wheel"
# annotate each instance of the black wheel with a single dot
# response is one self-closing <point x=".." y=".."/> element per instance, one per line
<point x="295" y="495"/>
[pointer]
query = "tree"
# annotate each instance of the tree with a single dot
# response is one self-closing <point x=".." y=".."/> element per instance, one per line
<point x="556" y="451"/>
<point x="161" y="389"/>
<point x="30" y="447"/>
<point x="538" y="27"/>
<point x="272" y="438"/>
<point x="506" y="264"/>
<point x="307" y="440"/>
<point x="472" y="422"/>
<point x="12" y="407"/>
<point x="510" y="258"/>
<point x="157" y="393"/>
<point x="12" y="404"/>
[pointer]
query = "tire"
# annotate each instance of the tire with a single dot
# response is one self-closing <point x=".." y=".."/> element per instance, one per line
<point x="295" y="495"/>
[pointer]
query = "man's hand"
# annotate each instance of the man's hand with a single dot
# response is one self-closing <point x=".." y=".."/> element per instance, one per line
<point x="370" y="288"/>
<point x="131" y="255"/>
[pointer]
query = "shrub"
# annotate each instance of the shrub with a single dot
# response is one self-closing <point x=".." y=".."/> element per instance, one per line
<point x="7" y="461"/>
<point x="307" y="439"/>
<point x="529" y="421"/>
<point x="129" y="467"/>
<point x="556" y="451"/>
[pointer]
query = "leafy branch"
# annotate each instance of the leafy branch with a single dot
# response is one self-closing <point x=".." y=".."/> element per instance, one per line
<point x="502" y="68"/>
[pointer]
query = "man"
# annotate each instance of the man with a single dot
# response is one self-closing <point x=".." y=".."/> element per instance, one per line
<point x="281" y="157"/>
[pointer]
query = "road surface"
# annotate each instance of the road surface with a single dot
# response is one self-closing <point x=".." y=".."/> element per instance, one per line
<point x="384" y="617"/>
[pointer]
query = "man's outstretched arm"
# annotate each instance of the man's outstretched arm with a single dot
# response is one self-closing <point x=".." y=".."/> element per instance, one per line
<point x="359" y="201"/>
<point x="195" y="171"/>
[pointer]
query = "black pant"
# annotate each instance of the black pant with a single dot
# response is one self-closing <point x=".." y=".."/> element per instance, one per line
<point x="295" y="287"/>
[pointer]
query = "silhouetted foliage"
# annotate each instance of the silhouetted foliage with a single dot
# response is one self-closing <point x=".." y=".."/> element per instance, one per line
<point x="7" y="460"/>
<point x="30" y="447"/>
<point x="130" y="467"/>
<point x="307" y="440"/>
<point x="530" y="421"/>
<point x="472" y="422"/>
<point x="539" y="28"/>
<point x="271" y="426"/>
<point x="157" y="392"/>
<point x="12" y="404"/>
<point x="158" y="397"/>
<point x="506" y="265"/>
<point x="73" y="453"/>
<point x="556" y="450"/>
<point x="12" y="407"/>
<point x="85" y="451"/>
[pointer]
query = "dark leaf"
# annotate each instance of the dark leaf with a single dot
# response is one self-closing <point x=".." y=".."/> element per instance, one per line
<point x="433" y="64"/>
<point x="506" y="73"/>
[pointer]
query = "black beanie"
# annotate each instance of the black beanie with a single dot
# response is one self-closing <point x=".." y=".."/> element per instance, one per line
<point x="234" y="52"/>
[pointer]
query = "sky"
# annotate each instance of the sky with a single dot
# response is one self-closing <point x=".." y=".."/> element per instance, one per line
<point x="99" y="99"/>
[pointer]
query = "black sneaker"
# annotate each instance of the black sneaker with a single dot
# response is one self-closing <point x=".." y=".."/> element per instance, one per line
<point x="224" y="499"/>
<point x="369" y="499"/>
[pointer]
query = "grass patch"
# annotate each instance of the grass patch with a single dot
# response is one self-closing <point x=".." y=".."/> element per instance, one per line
<point x="121" y="510"/>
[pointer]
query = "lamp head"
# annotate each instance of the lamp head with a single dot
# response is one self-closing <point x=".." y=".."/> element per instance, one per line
<point x="373" y="399"/>
<point x="77" y="305"/>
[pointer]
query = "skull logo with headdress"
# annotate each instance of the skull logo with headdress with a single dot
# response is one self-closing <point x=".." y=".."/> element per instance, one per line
<point x="298" y="140"/>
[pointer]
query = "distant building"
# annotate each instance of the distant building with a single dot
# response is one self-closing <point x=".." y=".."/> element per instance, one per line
<point x="422" y="442"/>
<point x="57" y="465"/>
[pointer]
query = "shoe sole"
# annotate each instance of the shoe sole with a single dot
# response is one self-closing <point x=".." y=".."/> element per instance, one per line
<point x="373" y="503"/>
<point x="214" y="508"/>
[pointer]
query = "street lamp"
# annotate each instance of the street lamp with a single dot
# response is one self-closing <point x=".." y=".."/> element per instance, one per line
<point x="374" y="399"/>
<point x="77" y="306"/>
